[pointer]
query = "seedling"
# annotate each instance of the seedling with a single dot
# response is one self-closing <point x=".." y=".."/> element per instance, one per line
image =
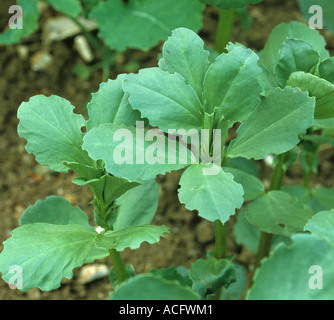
<point x="188" y="96"/>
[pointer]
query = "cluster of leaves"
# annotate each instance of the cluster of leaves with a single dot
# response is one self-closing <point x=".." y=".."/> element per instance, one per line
<point x="281" y="101"/>
<point x="135" y="24"/>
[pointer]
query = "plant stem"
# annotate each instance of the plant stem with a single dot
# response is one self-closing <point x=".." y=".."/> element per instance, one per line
<point x="224" y="30"/>
<point x="275" y="184"/>
<point x="118" y="265"/>
<point x="220" y="240"/>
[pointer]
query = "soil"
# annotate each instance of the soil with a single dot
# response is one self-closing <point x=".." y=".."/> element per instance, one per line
<point x="24" y="181"/>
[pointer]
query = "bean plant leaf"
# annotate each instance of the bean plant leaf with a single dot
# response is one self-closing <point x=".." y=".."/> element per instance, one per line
<point x="249" y="235"/>
<point x="322" y="225"/>
<point x="131" y="237"/>
<point x="292" y="271"/>
<point x="228" y="4"/>
<point x="296" y="55"/>
<point x="138" y="205"/>
<point x="165" y="99"/>
<point x="53" y="131"/>
<point x="319" y="88"/>
<point x="46" y="253"/>
<point x="275" y="125"/>
<point x="214" y="196"/>
<point x="294" y="30"/>
<point x="30" y="17"/>
<point x="253" y="187"/>
<point x="324" y="197"/>
<point x="326" y="13"/>
<point x="277" y="212"/>
<point x="326" y="69"/>
<point x="142" y="24"/>
<point x="70" y="8"/>
<point x="134" y="158"/>
<point x="232" y="75"/>
<point x="209" y="275"/>
<point x="173" y="273"/>
<point x="184" y="53"/>
<point x="54" y="210"/>
<point x="110" y="105"/>
<point x="156" y="288"/>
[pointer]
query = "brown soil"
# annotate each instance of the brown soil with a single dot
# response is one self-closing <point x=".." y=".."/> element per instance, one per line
<point x="23" y="181"/>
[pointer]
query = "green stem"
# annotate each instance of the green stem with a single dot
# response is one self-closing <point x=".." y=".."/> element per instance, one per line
<point x="220" y="240"/>
<point x="224" y="30"/>
<point x="118" y="265"/>
<point x="275" y="184"/>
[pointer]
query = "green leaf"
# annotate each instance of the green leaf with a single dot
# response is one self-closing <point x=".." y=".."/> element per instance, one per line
<point x="156" y="288"/>
<point x="327" y="11"/>
<point x="108" y="188"/>
<point x="322" y="225"/>
<point x="164" y="99"/>
<point x="231" y="85"/>
<point x="131" y="237"/>
<point x="214" y="196"/>
<point x="294" y="30"/>
<point x="46" y="253"/>
<point x="29" y="23"/>
<point x="54" y="210"/>
<point x="110" y="105"/>
<point x="296" y="55"/>
<point x="84" y="171"/>
<point x="236" y="289"/>
<point x="252" y="186"/>
<point x="319" y="88"/>
<point x="324" y="196"/>
<point x="288" y="273"/>
<point x="142" y="24"/>
<point x="184" y="53"/>
<point x="209" y="275"/>
<point x="53" y="132"/>
<point x="70" y="8"/>
<point x="249" y="235"/>
<point x="275" y="125"/>
<point x="172" y="273"/>
<point x="137" y="206"/>
<point x="121" y="158"/>
<point x="277" y="212"/>
<point x="228" y="4"/>
<point x="326" y="69"/>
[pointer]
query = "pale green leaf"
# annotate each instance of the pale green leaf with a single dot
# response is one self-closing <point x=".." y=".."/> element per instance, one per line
<point x="322" y="225"/>
<point x="327" y="13"/>
<point x="121" y="157"/>
<point x="46" y="253"/>
<point x="142" y="24"/>
<point x="156" y="288"/>
<point x="184" y="53"/>
<point x="231" y="85"/>
<point x="110" y="105"/>
<point x="211" y="274"/>
<point x="279" y="213"/>
<point x="164" y="99"/>
<point x="321" y="89"/>
<point x="214" y="196"/>
<point x="326" y="69"/>
<point x="53" y="131"/>
<point x="137" y="206"/>
<point x="288" y="273"/>
<point x="131" y="237"/>
<point x="70" y="8"/>
<point x="275" y="125"/>
<point x="295" y="55"/>
<point x="54" y="210"/>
